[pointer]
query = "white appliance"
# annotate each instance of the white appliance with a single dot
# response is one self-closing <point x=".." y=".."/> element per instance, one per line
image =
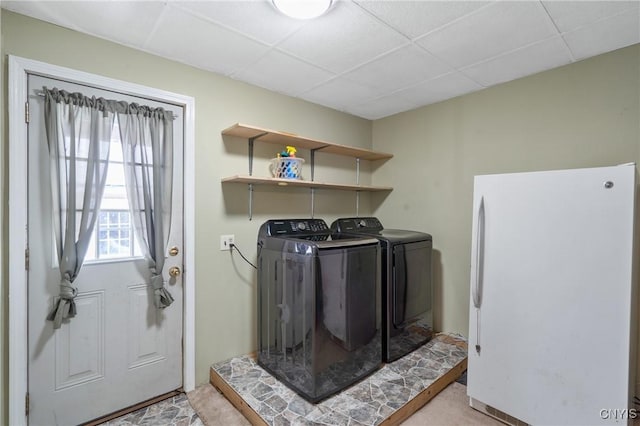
<point x="553" y="297"/>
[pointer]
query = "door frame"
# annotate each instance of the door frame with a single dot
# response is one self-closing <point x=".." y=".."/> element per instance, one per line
<point x="18" y="304"/>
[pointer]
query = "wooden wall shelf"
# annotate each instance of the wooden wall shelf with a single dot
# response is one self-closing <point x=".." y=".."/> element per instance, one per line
<point x="303" y="183"/>
<point x="260" y="134"/>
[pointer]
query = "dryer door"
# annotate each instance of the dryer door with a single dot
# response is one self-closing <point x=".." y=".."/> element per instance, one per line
<point x="411" y="293"/>
<point x="347" y="291"/>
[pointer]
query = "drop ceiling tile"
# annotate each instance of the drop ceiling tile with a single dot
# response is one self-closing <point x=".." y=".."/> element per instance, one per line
<point x="492" y="30"/>
<point x="604" y="36"/>
<point x="440" y="88"/>
<point x="185" y="38"/>
<point x="345" y="37"/>
<point x="416" y="18"/>
<point x="529" y="60"/>
<point x="400" y="68"/>
<point x="569" y="15"/>
<point x="494" y="42"/>
<point x="382" y="107"/>
<point x="257" y="19"/>
<point x="44" y="11"/>
<point x="282" y="73"/>
<point x="134" y="20"/>
<point x="340" y="92"/>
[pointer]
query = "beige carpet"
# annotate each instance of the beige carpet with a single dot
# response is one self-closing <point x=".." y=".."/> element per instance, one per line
<point x="449" y="408"/>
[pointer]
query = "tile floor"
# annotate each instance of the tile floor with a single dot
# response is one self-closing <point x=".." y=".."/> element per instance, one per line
<point x="175" y="411"/>
<point x="369" y="402"/>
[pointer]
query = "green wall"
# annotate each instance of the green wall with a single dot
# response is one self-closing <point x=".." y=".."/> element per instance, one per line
<point x="583" y="114"/>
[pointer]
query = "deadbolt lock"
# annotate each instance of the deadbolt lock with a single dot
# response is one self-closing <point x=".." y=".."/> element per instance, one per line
<point x="173" y="251"/>
<point x="174" y="271"/>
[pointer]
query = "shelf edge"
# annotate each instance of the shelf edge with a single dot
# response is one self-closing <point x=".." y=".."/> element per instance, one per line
<point x="242" y="130"/>
<point x="303" y="184"/>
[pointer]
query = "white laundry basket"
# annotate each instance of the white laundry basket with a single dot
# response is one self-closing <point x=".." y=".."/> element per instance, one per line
<point x="286" y="167"/>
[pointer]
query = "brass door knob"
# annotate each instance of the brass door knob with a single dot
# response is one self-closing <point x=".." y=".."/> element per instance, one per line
<point x="174" y="271"/>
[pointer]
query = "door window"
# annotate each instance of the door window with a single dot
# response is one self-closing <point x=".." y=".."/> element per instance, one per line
<point x="113" y="236"/>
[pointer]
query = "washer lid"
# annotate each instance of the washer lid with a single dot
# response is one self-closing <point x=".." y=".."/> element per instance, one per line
<point x="371" y="226"/>
<point x="401" y="236"/>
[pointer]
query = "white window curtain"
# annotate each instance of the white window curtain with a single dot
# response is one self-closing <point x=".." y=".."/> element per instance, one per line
<point x="78" y="130"/>
<point x="147" y="144"/>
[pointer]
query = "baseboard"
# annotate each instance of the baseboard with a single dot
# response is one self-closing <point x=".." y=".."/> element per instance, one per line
<point x="495" y="413"/>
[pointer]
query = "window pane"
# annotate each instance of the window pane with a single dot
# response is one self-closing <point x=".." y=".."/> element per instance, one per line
<point x="113" y="236"/>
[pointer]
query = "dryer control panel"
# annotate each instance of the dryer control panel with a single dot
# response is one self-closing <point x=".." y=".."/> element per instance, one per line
<point x="357" y="224"/>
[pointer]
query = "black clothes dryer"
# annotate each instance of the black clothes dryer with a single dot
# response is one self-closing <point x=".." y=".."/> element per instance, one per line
<point x="406" y="286"/>
<point x="318" y="326"/>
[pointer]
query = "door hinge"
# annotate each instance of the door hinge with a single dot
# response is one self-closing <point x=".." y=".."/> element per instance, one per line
<point x="26" y="112"/>
<point x="26" y="404"/>
<point x="26" y="259"/>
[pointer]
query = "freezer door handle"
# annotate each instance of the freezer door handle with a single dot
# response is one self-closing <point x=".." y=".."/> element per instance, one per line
<point x="477" y="287"/>
<point x="476" y="290"/>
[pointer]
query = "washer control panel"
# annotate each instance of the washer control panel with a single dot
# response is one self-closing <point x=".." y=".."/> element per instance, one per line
<point x="297" y="226"/>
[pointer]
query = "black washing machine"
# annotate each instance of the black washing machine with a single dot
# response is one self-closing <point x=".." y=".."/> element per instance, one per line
<point x="318" y="328"/>
<point x="406" y="286"/>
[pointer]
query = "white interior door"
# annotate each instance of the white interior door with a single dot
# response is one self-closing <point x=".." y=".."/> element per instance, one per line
<point x="119" y="349"/>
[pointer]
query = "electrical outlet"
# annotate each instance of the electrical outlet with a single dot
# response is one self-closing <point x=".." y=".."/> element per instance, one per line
<point x="225" y="242"/>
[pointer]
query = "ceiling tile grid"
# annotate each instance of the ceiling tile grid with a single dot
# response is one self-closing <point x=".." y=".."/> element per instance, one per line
<point x="491" y="31"/>
<point x="254" y="19"/>
<point x="531" y="59"/>
<point x="339" y="93"/>
<point x="416" y="18"/>
<point x="371" y="58"/>
<point x="605" y="35"/>
<point x="343" y="39"/>
<point x="381" y="107"/>
<point x="571" y="15"/>
<point x="440" y="88"/>
<point x="400" y="68"/>
<point x="281" y="73"/>
<point x="194" y="41"/>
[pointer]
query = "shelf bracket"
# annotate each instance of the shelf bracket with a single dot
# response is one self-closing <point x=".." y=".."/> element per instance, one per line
<point x="312" y="160"/>
<point x="250" y="201"/>
<point x="251" y="140"/>
<point x="250" y="148"/>
<point x="313" y="193"/>
<point x="358" y="183"/>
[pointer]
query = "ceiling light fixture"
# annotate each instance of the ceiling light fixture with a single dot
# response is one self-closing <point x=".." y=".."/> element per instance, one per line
<point x="303" y="9"/>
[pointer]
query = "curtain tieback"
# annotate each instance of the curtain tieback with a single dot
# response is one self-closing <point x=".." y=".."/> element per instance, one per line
<point x="161" y="296"/>
<point x="67" y="291"/>
<point x="65" y="306"/>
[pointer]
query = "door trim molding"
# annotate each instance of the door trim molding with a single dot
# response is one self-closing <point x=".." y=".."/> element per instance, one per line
<point x="17" y="306"/>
